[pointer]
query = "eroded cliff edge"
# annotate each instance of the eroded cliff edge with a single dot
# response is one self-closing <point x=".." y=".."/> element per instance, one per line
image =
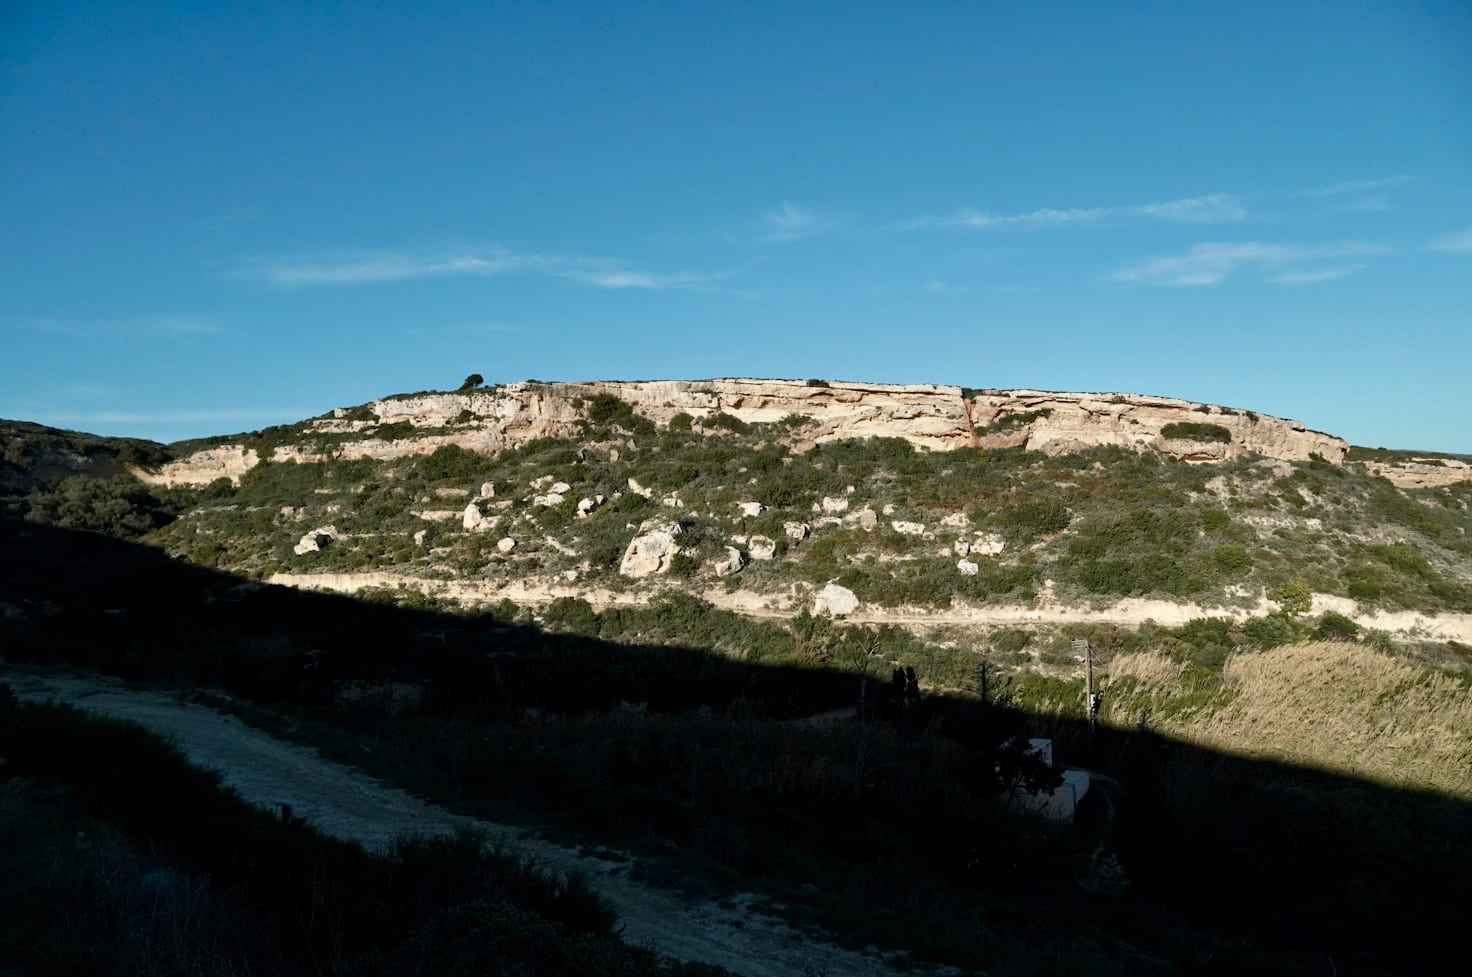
<point x="930" y="416"/>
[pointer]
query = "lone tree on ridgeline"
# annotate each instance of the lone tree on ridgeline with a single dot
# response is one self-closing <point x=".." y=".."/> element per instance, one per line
<point x="472" y="381"/>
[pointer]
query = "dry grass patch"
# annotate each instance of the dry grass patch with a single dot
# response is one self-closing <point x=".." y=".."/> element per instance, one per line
<point x="1149" y="668"/>
<point x="1330" y="705"/>
<point x="1352" y="709"/>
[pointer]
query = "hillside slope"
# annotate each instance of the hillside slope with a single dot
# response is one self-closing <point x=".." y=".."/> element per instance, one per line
<point x="929" y="416"/>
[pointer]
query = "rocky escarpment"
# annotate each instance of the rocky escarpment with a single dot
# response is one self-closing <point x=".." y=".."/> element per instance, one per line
<point x="931" y="416"/>
<point x="1057" y="423"/>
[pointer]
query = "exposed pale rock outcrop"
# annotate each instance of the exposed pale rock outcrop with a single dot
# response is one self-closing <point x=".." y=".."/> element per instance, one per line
<point x="762" y="548"/>
<point x="316" y="540"/>
<point x="835" y="601"/>
<point x="1422" y="474"/>
<point x="731" y="563"/>
<point x="967" y="568"/>
<point x="988" y="544"/>
<point x="474" y="520"/>
<point x="930" y="416"/>
<point x="650" y="552"/>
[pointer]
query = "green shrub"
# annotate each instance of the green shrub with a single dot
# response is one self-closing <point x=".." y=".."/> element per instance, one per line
<point x="1231" y="558"/>
<point x="1271" y="631"/>
<point x="1292" y="597"/>
<point x="1196" y="431"/>
<point x="1010" y="640"/>
<point x="1025" y="521"/>
<point x="1336" y="627"/>
<point x="721" y="421"/>
<point x="1215" y="520"/>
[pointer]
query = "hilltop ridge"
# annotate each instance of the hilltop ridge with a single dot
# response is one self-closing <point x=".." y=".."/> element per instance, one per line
<point x="929" y="416"/>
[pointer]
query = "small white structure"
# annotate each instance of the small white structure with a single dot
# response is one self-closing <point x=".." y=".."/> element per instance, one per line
<point x="1060" y="803"/>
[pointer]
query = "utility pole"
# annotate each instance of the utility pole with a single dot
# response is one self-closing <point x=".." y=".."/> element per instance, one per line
<point x="1091" y="701"/>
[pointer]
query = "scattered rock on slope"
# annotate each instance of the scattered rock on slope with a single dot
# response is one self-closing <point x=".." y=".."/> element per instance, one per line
<point x="316" y="540"/>
<point x="650" y="552"/>
<point x="835" y="600"/>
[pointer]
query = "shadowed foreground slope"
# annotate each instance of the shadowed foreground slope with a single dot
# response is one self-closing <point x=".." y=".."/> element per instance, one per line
<point x="880" y="830"/>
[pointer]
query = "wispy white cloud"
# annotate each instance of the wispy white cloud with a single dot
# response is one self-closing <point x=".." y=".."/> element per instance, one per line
<point x="1314" y="276"/>
<point x="1359" y="186"/>
<point x="170" y="417"/>
<point x="379" y="267"/>
<point x="1213" y="262"/>
<point x="177" y="327"/>
<point x="792" y="223"/>
<point x="1458" y="242"/>
<point x="388" y="267"/>
<point x="169" y="327"/>
<point x="627" y="278"/>
<point x="1211" y="208"/>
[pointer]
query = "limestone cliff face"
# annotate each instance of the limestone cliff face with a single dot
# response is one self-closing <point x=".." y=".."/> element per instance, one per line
<point x="1428" y="474"/>
<point x="931" y="416"/>
<point x="204" y="466"/>
<point x="1056" y="423"/>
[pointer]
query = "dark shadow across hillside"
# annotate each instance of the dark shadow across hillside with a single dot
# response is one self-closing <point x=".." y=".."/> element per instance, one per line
<point x="1238" y="866"/>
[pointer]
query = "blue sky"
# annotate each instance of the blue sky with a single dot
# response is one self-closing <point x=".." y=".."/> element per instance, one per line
<point x="212" y="220"/>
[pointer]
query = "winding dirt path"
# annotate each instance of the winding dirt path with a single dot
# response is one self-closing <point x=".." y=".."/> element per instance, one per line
<point x="1130" y="611"/>
<point x="349" y="804"/>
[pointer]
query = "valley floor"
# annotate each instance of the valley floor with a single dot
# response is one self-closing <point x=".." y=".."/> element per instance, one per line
<point x="351" y="805"/>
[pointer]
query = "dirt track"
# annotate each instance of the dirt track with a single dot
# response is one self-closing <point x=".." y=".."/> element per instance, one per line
<point x="349" y="804"/>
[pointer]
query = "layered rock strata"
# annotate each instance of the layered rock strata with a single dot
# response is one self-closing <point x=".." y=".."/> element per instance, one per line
<point x="930" y="416"/>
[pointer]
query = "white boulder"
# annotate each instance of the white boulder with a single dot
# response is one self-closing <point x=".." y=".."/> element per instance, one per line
<point x="650" y="552"/>
<point x="560" y="488"/>
<point x="751" y="509"/>
<point x="796" y="531"/>
<point x="505" y="544"/>
<point x="474" y="520"/>
<point x="586" y="506"/>
<point x="551" y="498"/>
<point x="488" y="490"/>
<point x="731" y="564"/>
<point x="832" y="504"/>
<point x="762" y="548"/>
<point x="967" y="568"/>
<point x="318" y="539"/>
<point x="419" y="537"/>
<point x="868" y="519"/>
<point x="638" y="489"/>
<point x="836" y="601"/>
<point x="988" y="544"/>
<point x="962" y="548"/>
<point x="908" y="528"/>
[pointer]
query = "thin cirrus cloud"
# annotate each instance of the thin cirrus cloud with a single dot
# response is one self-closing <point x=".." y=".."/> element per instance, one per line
<point x="168" y="327"/>
<point x="1316" y="275"/>
<point x="1214" y="262"/>
<point x="393" y="267"/>
<point x="1211" y="208"/>
<point x="170" y="417"/>
<point x="792" y="223"/>
<point x="1456" y="243"/>
<point x="1359" y="186"/>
